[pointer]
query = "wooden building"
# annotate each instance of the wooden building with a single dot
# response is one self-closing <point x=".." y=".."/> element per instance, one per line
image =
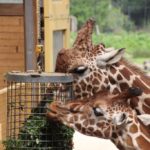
<point x="11" y="39"/>
<point x="23" y="25"/>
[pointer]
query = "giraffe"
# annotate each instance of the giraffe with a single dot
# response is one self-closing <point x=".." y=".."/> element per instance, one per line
<point x="96" y="69"/>
<point x="105" y="116"/>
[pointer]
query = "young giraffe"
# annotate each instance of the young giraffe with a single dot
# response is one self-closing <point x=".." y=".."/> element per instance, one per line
<point x="105" y="116"/>
<point x="97" y="68"/>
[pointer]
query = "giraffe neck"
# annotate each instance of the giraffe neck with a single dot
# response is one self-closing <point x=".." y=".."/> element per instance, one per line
<point x="134" y="136"/>
<point x="122" y="76"/>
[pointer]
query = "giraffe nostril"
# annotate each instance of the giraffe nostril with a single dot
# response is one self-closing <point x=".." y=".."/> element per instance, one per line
<point x="123" y="117"/>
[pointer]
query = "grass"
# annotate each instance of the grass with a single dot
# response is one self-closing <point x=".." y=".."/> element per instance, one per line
<point x="136" y="44"/>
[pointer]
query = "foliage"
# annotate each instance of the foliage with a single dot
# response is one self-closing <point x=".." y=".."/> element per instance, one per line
<point x="137" y="44"/>
<point x="38" y="133"/>
<point x="112" y="15"/>
<point x="138" y="10"/>
<point x="108" y="17"/>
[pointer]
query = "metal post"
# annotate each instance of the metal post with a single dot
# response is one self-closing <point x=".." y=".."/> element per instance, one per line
<point x="30" y="63"/>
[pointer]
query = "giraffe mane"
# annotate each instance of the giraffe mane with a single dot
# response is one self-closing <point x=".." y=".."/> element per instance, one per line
<point x="136" y="70"/>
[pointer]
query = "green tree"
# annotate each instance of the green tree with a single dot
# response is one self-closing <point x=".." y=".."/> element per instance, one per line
<point x="137" y="10"/>
<point x="108" y="17"/>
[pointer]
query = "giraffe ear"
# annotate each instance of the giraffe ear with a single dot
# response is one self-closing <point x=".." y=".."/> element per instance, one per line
<point x="145" y="118"/>
<point x="110" y="57"/>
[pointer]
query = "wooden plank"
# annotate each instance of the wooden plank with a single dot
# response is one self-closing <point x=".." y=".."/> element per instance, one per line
<point x="11" y="56"/>
<point x="2" y="78"/>
<point x="3" y="114"/>
<point x="11" y="42"/>
<point x="12" y="49"/>
<point x="11" y="36"/>
<point x="11" y="10"/>
<point x="17" y="63"/>
<point x="11" y="21"/>
<point x="5" y="69"/>
<point x="12" y="29"/>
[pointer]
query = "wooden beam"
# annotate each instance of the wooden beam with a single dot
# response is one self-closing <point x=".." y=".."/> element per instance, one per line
<point x="11" y="10"/>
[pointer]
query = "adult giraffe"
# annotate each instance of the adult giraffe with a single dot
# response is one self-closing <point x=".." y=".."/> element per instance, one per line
<point x="97" y="68"/>
<point x="105" y="116"/>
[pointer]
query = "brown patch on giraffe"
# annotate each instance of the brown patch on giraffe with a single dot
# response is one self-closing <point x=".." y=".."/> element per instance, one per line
<point x="83" y="85"/>
<point x="146" y="109"/>
<point x="95" y="89"/>
<point x="133" y="128"/>
<point x="84" y="94"/>
<point x="126" y="73"/>
<point x="106" y="81"/>
<point x="92" y="121"/>
<point x="134" y="102"/>
<point x="112" y="70"/>
<point x="85" y="123"/>
<point x="142" y="142"/>
<point x="114" y="135"/>
<point x="95" y="74"/>
<point x="120" y="133"/>
<point x="138" y="83"/>
<point x="78" y="126"/>
<point x="100" y="124"/>
<point x="111" y="79"/>
<point x="95" y="81"/>
<point x="82" y="117"/>
<point x="124" y="86"/>
<point x="107" y="132"/>
<point x="144" y="129"/>
<point x="147" y="101"/>
<point x="119" y="77"/>
<point x="89" y="87"/>
<point x="129" y="141"/>
<point x="87" y="79"/>
<point x="71" y="120"/>
<point x="115" y="91"/>
<point x="75" y="118"/>
<point x="90" y="129"/>
<point x="78" y="89"/>
<point x="119" y="146"/>
<point x="98" y="133"/>
<point x="83" y="130"/>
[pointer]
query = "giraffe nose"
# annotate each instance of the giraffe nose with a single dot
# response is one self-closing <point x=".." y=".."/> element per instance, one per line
<point x="123" y="117"/>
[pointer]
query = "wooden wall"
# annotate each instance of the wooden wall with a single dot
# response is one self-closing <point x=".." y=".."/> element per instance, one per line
<point x="3" y="116"/>
<point x="11" y="44"/>
<point x="11" y="53"/>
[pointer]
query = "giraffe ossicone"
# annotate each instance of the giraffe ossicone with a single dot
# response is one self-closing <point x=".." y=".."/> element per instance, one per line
<point x="105" y="116"/>
<point x="97" y="69"/>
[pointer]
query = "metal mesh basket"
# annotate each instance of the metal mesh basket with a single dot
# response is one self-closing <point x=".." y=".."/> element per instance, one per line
<point x="27" y="126"/>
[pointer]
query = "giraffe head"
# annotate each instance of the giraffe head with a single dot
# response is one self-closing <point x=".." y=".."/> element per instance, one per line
<point x="87" y="62"/>
<point x="103" y="116"/>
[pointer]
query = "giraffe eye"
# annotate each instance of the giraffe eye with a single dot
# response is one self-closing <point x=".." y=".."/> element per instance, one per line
<point x="98" y="111"/>
<point x="79" y="70"/>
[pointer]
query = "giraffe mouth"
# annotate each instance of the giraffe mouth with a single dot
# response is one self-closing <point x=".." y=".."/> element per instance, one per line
<point x="56" y="111"/>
